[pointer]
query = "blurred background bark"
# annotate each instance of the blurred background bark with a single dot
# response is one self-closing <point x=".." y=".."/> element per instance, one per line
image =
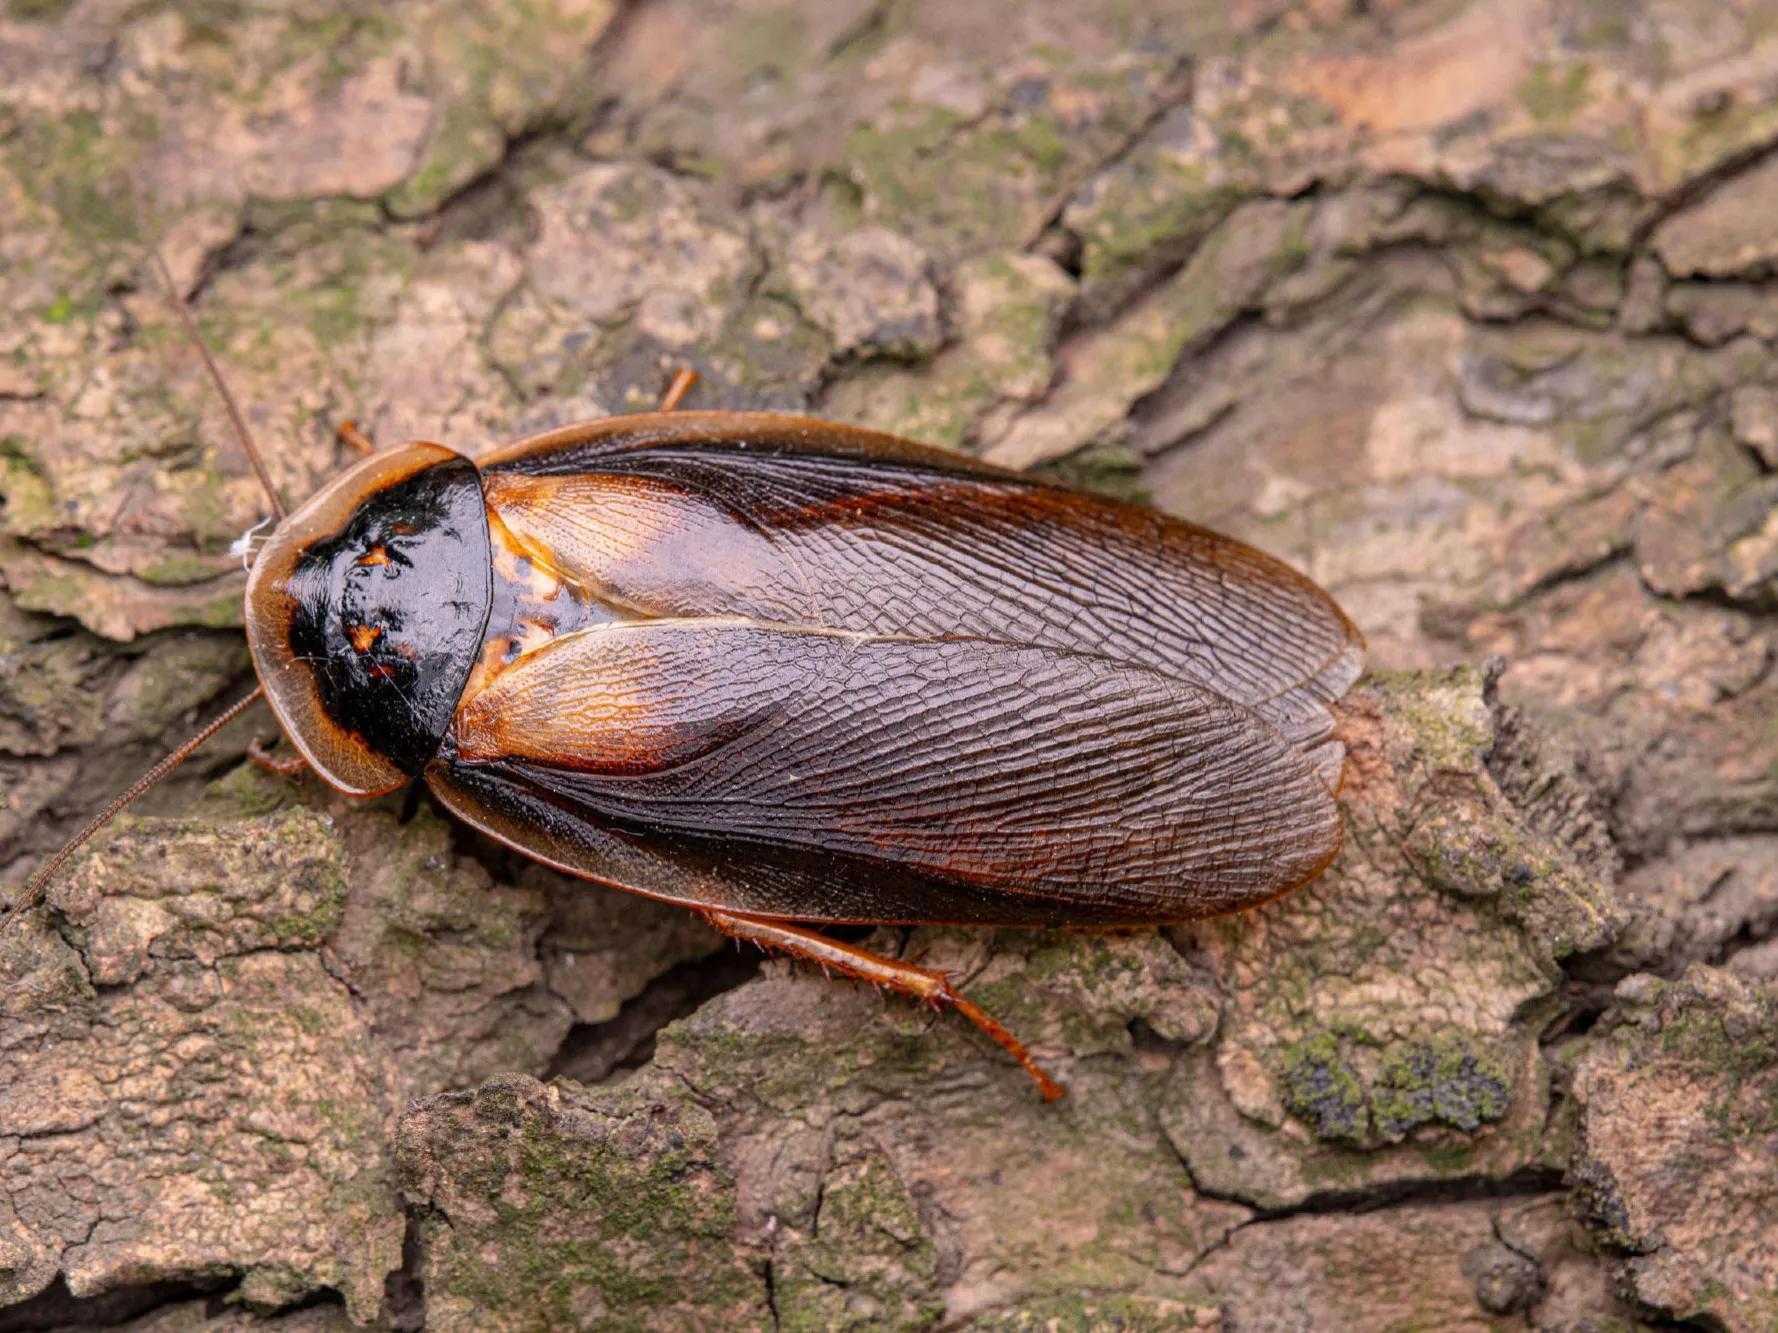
<point x="1465" y="308"/>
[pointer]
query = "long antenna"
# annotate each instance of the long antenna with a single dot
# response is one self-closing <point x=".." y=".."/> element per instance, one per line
<point x="228" y="399"/>
<point x="32" y="893"/>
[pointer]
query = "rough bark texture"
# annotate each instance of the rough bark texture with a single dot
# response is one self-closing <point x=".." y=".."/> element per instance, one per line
<point x="1466" y="308"/>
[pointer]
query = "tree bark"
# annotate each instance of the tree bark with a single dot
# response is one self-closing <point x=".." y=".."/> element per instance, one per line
<point x="1464" y="308"/>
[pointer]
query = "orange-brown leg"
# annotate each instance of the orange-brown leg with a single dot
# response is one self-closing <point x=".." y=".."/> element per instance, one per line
<point x="922" y="982"/>
<point x="284" y="768"/>
<point x="683" y="379"/>
<point x="350" y="434"/>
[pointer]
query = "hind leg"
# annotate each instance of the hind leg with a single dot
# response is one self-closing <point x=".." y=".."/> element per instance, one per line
<point x="921" y="982"/>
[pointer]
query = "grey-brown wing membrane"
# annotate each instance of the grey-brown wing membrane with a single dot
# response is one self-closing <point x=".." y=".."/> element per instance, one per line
<point x="801" y="522"/>
<point x="829" y="776"/>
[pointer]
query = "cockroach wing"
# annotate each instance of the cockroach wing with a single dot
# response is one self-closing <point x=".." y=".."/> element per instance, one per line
<point x="834" y="776"/>
<point x="802" y="522"/>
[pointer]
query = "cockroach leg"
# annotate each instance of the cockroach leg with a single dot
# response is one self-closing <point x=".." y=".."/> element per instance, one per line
<point x="922" y="983"/>
<point x="284" y="768"/>
<point x="350" y="434"/>
<point x="683" y="379"/>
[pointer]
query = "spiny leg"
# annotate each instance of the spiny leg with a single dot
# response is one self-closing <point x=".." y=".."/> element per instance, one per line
<point x="357" y="439"/>
<point x="284" y="768"/>
<point x="921" y="982"/>
<point x="683" y="379"/>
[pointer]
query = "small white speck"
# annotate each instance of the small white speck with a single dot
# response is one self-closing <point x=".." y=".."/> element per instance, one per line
<point x="243" y="545"/>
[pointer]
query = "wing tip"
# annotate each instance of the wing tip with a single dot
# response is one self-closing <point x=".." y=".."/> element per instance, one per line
<point x="1303" y="712"/>
<point x="1329" y="762"/>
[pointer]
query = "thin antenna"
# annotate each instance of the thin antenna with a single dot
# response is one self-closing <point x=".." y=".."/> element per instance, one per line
<point x="228" y="399"/>
<point x="32" y="893"/>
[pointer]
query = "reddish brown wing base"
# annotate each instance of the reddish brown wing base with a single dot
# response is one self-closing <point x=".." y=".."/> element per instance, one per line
<point x="814" y="674"/>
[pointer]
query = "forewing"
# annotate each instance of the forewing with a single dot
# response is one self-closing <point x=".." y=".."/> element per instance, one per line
<point x="799" y="522"/>
<point x="761" y="769"/>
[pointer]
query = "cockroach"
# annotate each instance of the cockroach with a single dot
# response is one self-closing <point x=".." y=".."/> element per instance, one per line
<point x="788" y="673"/>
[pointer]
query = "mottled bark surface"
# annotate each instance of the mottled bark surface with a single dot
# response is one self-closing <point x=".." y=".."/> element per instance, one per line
<point x="1466" y="308"/>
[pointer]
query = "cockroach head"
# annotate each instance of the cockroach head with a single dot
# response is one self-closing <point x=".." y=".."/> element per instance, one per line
<point x="365" y="613"/>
